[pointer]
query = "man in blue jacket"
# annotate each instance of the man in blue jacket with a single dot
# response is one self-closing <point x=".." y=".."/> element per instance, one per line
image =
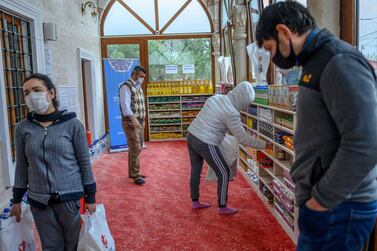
<point x="336" y="135"/>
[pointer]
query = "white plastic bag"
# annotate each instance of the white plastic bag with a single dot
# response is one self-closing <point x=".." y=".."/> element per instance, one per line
<point x="229" y="149"/>
<point x="18" y="236"/>
<point x="260" y="59"/>
<point x="95" y="233"/>
<point x="225" y="65"/>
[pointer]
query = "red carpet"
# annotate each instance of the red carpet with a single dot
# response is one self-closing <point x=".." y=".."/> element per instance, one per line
<point x="157" y="216"/>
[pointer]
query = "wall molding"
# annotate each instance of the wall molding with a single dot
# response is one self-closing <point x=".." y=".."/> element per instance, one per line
<point x="90" y="92"/>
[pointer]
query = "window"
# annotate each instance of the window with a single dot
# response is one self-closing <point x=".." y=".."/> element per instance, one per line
<point x="17" y="62"/>
<point x="150" y="17"/>
<point x="224" y="12"/>
<point x="254" y="11"/>
<point x="367" y="40"/>
<point x="117" y="51"/>
<point x="303" y="2"/>
<point x="194" y="52"/>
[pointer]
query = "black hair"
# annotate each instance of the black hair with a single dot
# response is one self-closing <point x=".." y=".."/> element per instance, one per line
<point x="138" y="69"/>
<point x="292" y="14"/>
<point x="46" y="82"/>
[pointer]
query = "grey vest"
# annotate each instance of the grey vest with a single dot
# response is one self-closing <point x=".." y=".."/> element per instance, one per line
<point x="137" y="100"/>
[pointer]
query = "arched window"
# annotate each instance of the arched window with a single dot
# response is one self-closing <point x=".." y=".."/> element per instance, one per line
<point x="155" y="17"/>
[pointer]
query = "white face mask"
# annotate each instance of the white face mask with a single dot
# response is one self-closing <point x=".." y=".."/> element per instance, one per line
<point x="140" y="81"/>
<point x="37" y="101"/>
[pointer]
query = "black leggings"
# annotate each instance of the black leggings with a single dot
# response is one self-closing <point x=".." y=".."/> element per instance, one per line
<point x="200" y="151"/>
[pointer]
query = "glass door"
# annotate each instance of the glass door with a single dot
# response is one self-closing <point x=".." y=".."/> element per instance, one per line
<point x="120" y="56"/>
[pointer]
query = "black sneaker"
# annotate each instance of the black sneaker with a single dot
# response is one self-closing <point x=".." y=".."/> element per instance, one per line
<point x="139" y="181"/>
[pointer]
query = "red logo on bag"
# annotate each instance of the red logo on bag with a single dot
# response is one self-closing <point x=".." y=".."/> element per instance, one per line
<point x="22" y="246"/>
<point x="104" y="241"/>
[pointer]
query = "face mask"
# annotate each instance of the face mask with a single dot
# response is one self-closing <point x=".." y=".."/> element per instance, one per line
<point x="37" y="101"/>
<point x="140" y="81"/>
<point x="282" y="62"/>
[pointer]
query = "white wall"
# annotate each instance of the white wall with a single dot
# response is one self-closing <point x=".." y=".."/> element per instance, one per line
<point x="74" y="31"/>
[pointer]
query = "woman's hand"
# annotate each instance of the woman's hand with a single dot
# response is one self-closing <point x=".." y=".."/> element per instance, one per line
<point x="91" y="208"/>
<point x="16" y="211"/>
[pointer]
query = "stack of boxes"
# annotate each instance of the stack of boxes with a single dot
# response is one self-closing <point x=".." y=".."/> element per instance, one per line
<point x="283" y="96"/>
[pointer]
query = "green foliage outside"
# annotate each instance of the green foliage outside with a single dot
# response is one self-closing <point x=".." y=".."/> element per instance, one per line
<point x="123" y="51"/>
<point x="195" y="51"/>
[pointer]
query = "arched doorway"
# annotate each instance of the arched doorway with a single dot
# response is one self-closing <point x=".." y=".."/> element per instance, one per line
<point x="159" y="33"/>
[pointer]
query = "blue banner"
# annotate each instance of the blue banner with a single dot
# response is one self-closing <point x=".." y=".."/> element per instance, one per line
<point x="116" y="72"/>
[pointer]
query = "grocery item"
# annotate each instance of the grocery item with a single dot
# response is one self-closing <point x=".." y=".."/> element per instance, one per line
<point x="261" y="95"/>
<point x="281" y="155"/>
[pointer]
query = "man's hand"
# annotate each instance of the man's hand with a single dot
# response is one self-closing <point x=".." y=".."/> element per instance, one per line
<point x="135" y="123"/>
<point x="91" y="208"/>
<point x="16" y="211"/>
<point x="315" y="206"/>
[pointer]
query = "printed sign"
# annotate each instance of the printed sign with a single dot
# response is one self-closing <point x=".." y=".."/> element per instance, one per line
<point x="116" y="72"/>
<point x="171" y="69"/>
<point x="188" y="68"/>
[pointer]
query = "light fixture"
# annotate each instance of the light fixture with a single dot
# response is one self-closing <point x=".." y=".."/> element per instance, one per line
<point x="90" y="5"/>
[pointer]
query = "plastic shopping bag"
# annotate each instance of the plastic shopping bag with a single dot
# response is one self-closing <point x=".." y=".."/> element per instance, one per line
<point x="18" y="236"/>
<point x="229" y="149"/>
<point x="95" y="233"/>
<point x="260" y="59"/>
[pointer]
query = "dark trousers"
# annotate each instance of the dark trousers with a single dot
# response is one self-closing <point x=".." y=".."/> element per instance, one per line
<point x="200" y="151"/>
<point x="345" y="228"/>
<point x="58" y="225"/>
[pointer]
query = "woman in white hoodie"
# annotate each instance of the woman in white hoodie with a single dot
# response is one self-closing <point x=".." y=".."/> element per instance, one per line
<point x="220" y="114"/>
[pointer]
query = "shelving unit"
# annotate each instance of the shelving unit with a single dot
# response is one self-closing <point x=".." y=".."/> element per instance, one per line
<point x="267" y="171"/>
<point x="169" y="116"/>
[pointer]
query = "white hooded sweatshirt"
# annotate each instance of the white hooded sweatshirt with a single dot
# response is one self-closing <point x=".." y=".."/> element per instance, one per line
<point x="221" y="114"/>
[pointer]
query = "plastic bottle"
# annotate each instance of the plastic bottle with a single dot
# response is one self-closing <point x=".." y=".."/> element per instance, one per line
<point x="155" y="89"/>
<point x="185" y="90"/>
<point x="170" y="88"/>
<point x="202" y="87"/>
<point x="152" y="89"/>
<point x="160" y="89"/>
<point x="173" y="88"/>
<point x="189" y="87"/>
<point x="210" y="88"/>
<point x="196" y="87"/>
<point x="181" y="88"/>
<point x="165" y="89"/>
<point x="177" y="89"/>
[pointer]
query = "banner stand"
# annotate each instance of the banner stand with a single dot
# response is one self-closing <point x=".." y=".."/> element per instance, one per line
<point x="116" y="71"/>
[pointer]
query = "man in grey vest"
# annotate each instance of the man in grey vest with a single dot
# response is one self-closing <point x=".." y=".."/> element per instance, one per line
<point x="132" y="105"/>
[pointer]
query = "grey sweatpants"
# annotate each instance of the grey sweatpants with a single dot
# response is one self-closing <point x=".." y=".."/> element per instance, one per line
<point x="58" y="226"/>
<point x="198" y="152"/>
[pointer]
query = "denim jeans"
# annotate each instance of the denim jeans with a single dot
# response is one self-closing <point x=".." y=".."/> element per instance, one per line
<point x="345" y="227"/>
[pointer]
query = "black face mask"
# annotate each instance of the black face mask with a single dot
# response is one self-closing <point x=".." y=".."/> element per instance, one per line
<point x="282" y="62"/>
